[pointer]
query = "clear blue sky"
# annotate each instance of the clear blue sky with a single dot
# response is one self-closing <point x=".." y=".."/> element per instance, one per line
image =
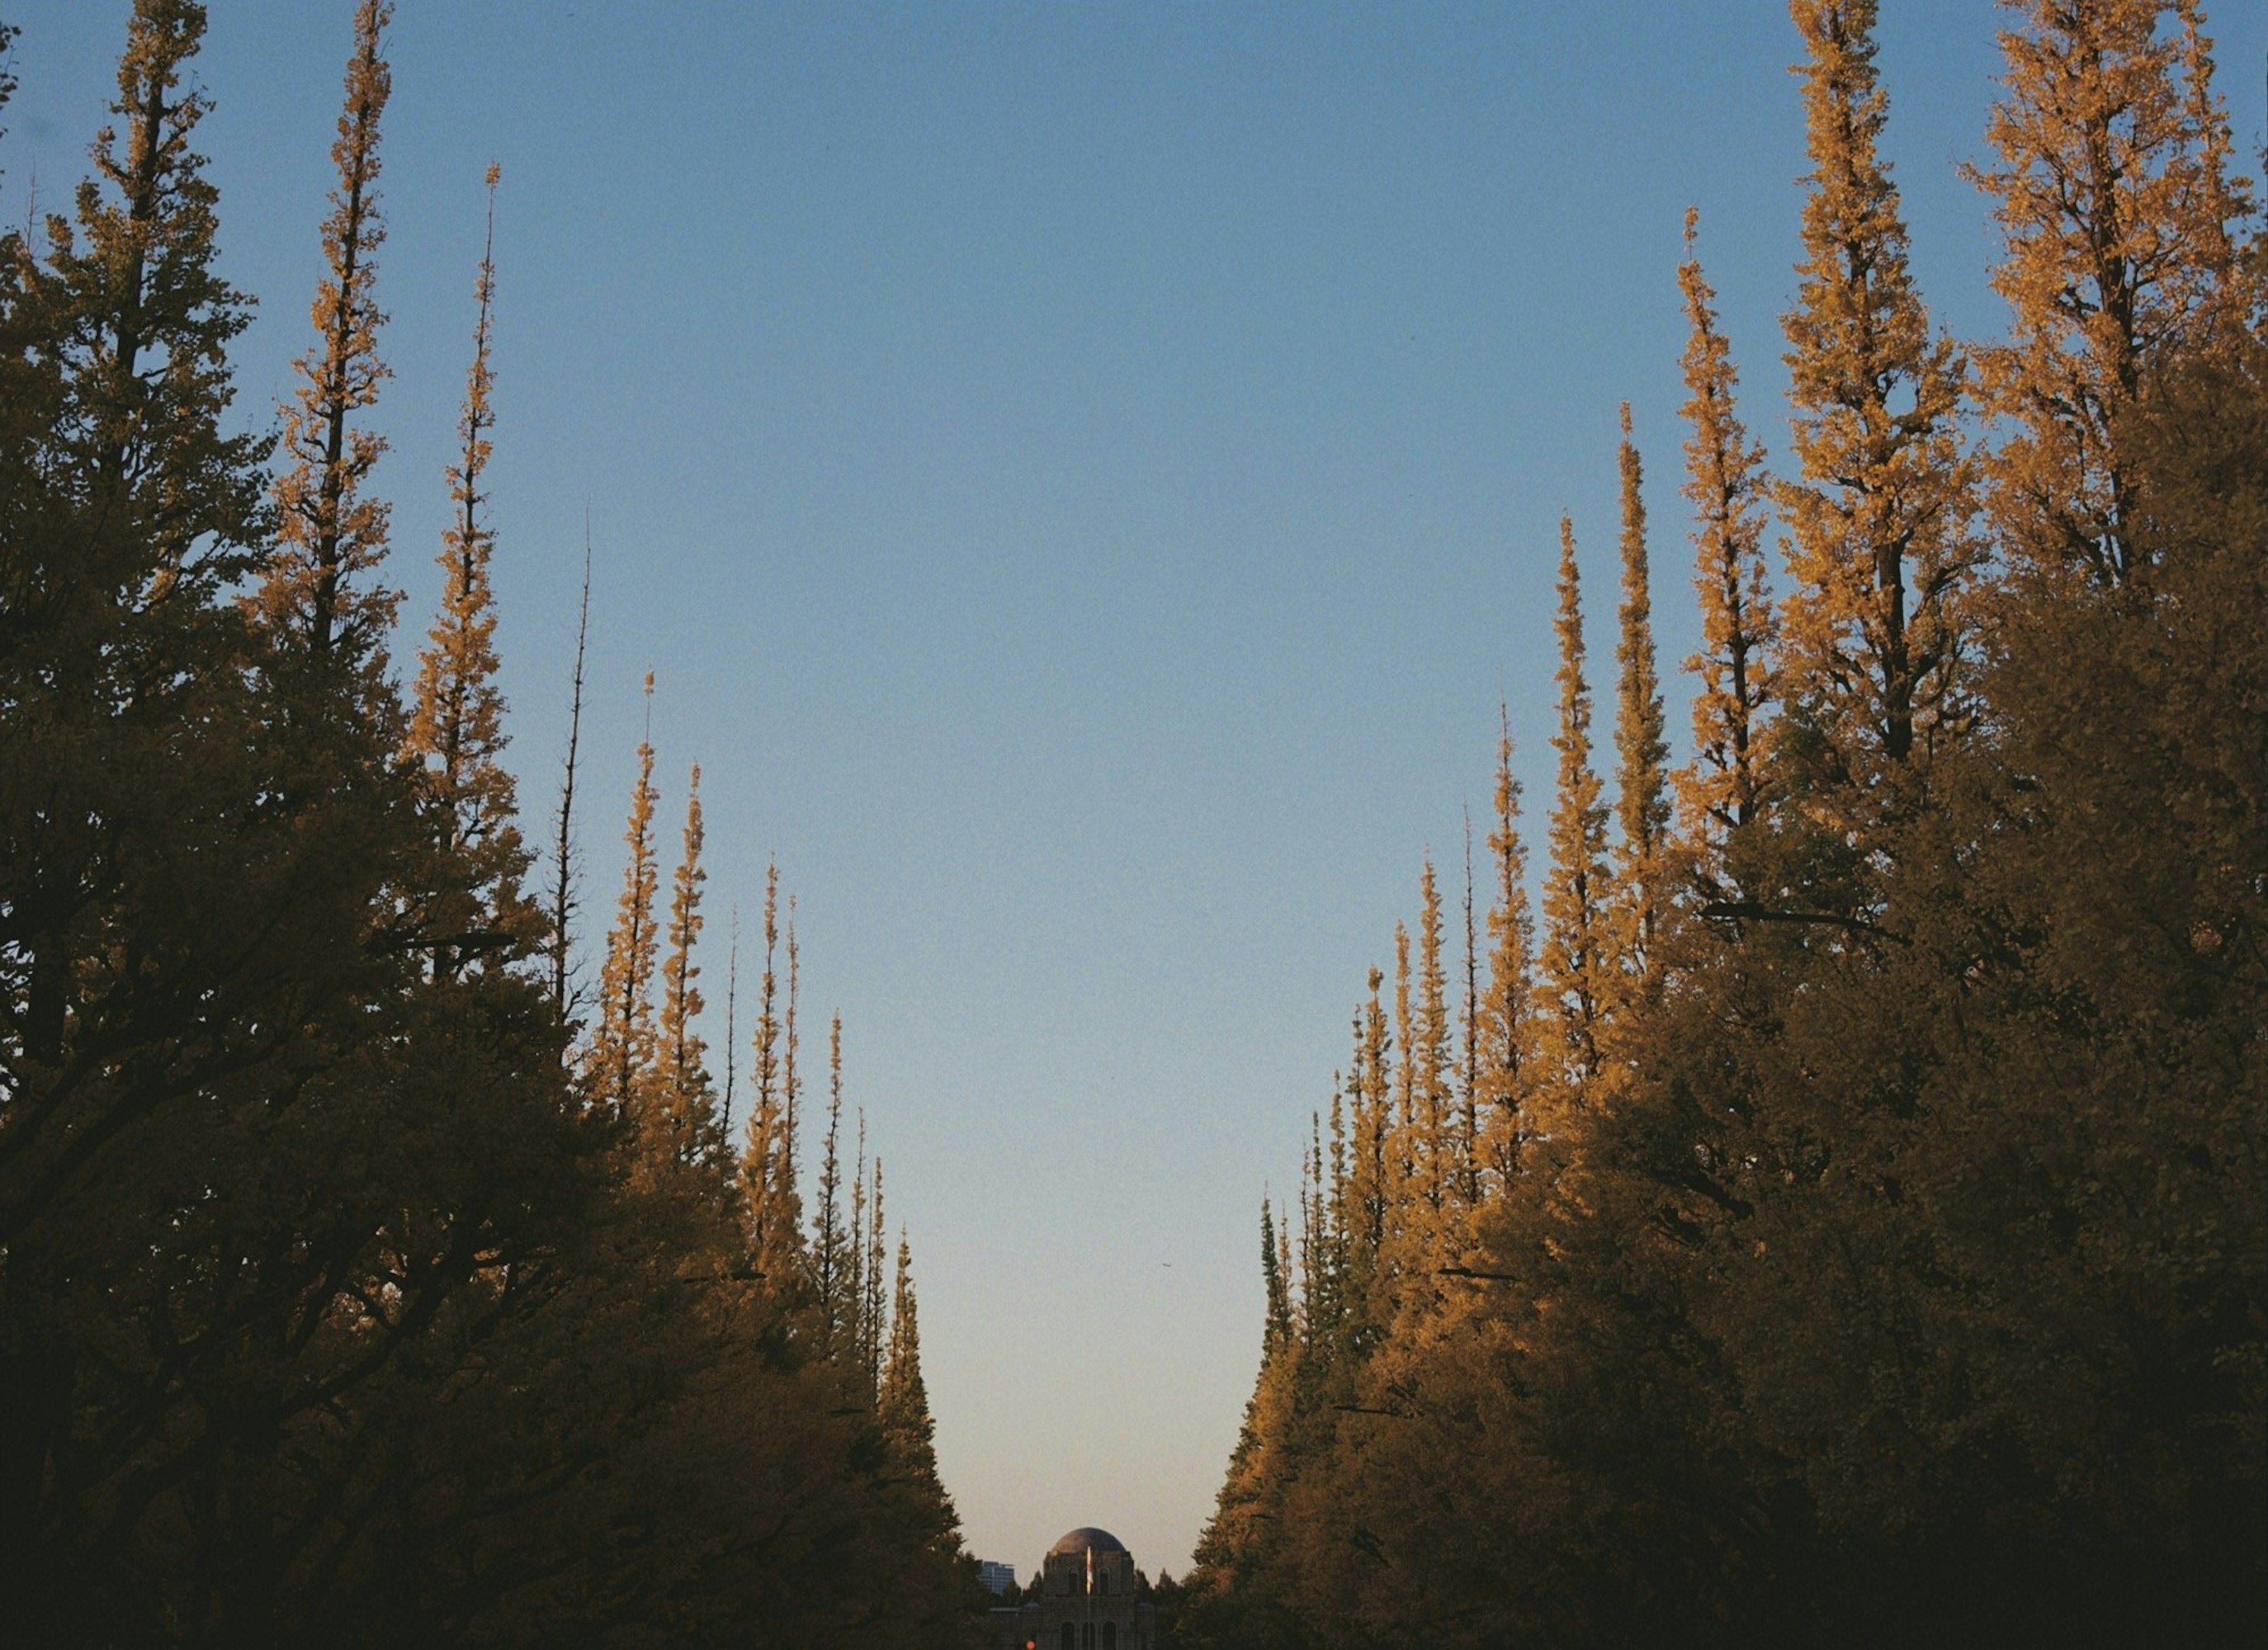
<point x="1085" y="477"/>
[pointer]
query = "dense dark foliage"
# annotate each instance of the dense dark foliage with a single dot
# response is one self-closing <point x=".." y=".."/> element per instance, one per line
<point x="1863" y="1240"/>
<point x="340" y="1303"/>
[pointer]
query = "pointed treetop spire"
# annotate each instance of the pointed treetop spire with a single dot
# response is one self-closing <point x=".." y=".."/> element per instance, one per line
<point x="1278" y="1329"/>
<point x="1576" y="892"/>
<point x="1434" y="1149"/>
<point x="147" y="371"/>
<point x="901" y="1409"/>
<point x="1506" y="1030"/>
<point x="456" y="736"/>
<point x="1468" y="1084"/>
<point x="686" y="1116"/>
<point x="1880" y="513"/>
<point x="331" y="535"/>
<point x="623" y="1049"/>
<point x="831" y="1241"/>
<point x="560" y="916"/>
<point x="1402" y="1130"/>
<point x="1723" y="787"/>
<point x="1642" y="795"/>
<point x="772" y="1177"/>
<point x="874" y="1338"/>
<point x="772" y="1218"/>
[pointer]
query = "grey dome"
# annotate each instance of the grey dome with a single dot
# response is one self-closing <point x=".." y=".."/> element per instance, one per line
<point x="1087" y="1538"/>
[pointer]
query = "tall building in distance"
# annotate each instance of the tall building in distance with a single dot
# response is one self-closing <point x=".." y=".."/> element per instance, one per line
<point x="998" y="1577"/>
<point x="1084" y="1598"/>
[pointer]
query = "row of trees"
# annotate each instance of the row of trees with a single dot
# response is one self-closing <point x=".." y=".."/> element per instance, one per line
<point x="358" y="1282"/>
<point x="1840" y="1215"/>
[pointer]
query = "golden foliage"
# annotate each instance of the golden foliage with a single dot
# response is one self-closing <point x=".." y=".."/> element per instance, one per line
<point x="1734" y="688"/>
<point x="331" y="535"/>
<point x="1574" y="987"/>
<point x="2118" y="215"/>
<point x="1889" y="1269"/>
<point x="1871" y="634"/>
<point x="1641" y="780"/>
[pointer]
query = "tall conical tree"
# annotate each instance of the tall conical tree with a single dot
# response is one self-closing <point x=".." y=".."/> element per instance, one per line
<point x="1283" y="1271"/>
<point x="1340" y="1213"/>
<point x="684" y="1124"/>
<point x="1404" y="1130"/>
<point x="180" y="928"/>
<point x="1507" y="1027"/>
<point x="1641" y="793"/>
<point x="129" y="308"/>
<point x="1575" y="989"/>
<point x="831" y="1241"/>
<point x="2118" y="216"/>
<point x="873" y="1309"/>
<point x="1722" y="789"/>
<point x="1370" y="1177"/>
<point x="1244" y="1532"/>
<point x="851" y="1353"/>
<point x="329" y="535"/>
<point x="1880" y="513"/>
<point x="1317" y="1284"/>
<point x="764" y="1072"/>
<point x="785" y="1196"/>
<point x="790" y="1083"/>
<point x="1469" y="1142"/>
<point x="623" y="1045"/>
<point x="456" y="736"/>
<point x="132" y="509"/>
<point x="902" y="1405"/>
<point x="768" y="1164"/>
<point x="1276" y="1287"/>
<point x="1433" y="1149"/>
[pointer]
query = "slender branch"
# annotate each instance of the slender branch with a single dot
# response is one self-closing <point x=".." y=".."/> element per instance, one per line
<point x="563" y="892"/>
<point x="732" y="1019"/>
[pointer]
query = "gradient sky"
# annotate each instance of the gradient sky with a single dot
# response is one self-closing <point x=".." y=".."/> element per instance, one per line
<point x="1085" y="477"/>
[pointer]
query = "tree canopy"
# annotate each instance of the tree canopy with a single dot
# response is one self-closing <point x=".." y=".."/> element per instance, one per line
<point x="354" y="1289"/>
<point x="1875" y="1244"/>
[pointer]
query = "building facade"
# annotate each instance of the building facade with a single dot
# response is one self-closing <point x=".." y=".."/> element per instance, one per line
<point x="1086" y="1600"/>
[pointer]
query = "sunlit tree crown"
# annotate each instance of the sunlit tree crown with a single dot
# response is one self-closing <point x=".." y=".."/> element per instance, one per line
<point x="2118" y="215"/>
<point x="1879" y="507"/>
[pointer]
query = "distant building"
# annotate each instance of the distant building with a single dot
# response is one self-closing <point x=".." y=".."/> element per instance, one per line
<point x="1085" y="1601"/>
<point x="998" y="1577"/>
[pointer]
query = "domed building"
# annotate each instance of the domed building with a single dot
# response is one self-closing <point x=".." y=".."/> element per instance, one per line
<point x="1084" y="1600"/>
